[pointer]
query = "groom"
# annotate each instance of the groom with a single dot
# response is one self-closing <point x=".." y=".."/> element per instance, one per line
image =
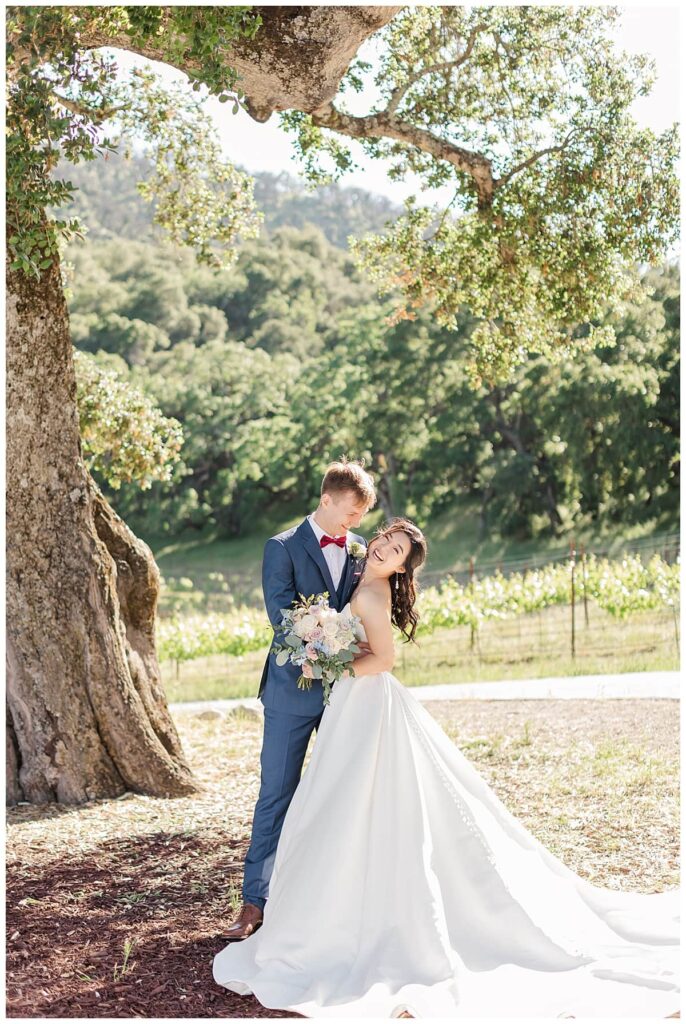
<point x="308" y="559"/>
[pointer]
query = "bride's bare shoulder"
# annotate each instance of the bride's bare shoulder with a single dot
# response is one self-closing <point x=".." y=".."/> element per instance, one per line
<point x="373" y="600"/>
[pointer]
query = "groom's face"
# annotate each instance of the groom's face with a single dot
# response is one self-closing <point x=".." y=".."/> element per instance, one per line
<point x="344" y="511"/>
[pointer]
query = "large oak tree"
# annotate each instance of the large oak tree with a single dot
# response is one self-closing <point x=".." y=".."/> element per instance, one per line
<point x="557" y="195"/>
<point x="87" y="716"/>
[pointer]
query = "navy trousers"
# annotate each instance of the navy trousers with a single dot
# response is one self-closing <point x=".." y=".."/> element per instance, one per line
<point x="284" y="745"/>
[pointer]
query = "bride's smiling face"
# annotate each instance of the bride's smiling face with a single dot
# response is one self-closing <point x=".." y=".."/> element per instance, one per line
<point x="387" y="554"/>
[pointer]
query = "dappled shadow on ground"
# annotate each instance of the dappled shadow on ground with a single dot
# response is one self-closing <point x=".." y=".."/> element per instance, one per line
<point x="596" y="781"/>
<point x="169" y="895"/>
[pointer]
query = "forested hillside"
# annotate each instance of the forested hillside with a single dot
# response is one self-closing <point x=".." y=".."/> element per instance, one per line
<point x="108" y="202"/>
<point x="287" y="360"/>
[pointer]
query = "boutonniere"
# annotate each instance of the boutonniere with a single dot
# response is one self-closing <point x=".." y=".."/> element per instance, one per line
<point x="357" y="550"/>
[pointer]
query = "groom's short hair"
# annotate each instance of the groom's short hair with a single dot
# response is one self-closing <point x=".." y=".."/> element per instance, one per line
<point x="344" y="476"/>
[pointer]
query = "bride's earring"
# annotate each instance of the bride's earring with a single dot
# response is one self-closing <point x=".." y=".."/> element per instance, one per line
<point x="396" y="582"/>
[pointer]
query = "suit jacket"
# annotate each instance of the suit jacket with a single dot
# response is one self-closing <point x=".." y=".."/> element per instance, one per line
<point x="294" y="564"/>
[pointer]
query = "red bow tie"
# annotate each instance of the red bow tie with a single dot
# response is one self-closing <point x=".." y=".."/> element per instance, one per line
<point x="332" y="540"/>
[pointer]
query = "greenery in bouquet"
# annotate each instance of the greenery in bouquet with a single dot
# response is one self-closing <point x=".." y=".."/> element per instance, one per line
<point x="318" y="639"/>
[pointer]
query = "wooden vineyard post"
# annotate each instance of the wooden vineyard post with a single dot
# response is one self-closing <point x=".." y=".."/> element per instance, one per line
<point x="572" y="559"/>
<point x="583" y="573"/>
<point x="471" y="591"/>
<point x="667" y="554"/>
<point x="519" y="614"/>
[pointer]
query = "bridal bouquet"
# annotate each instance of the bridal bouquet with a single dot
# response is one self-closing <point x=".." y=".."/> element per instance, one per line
<point x="317" y="639"/>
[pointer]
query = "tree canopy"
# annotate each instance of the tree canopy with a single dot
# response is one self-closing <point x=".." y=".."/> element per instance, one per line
<point x="558" y="194"/>
<point x="283" y="362"/>
<point x="494" y="358"/>
<point x="525" y="113"/>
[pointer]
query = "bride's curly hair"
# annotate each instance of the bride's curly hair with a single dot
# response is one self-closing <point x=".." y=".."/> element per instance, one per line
<point x="403" y="584"/>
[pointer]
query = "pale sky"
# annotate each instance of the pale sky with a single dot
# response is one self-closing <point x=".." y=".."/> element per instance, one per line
<point x="652" y="29"/>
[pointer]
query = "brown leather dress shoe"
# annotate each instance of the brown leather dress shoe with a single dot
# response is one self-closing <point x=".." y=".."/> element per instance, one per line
<point x="247" y="922"/>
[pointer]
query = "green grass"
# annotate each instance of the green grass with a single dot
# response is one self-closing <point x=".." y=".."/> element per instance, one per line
<point x="240" y="561"/>
<point x="530" y="647"/>
<point x="453" y="539"/>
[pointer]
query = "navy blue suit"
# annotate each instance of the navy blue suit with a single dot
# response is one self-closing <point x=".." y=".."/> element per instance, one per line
<point x="293" y="564"/>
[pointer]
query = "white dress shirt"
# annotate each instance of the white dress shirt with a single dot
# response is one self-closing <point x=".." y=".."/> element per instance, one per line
<point x="335" y="556"/>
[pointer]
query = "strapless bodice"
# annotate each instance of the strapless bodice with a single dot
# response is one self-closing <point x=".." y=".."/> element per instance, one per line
<point x="347" y="611"/>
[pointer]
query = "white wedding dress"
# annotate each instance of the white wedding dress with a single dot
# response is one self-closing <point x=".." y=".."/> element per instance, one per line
<point x="400" y="877"/>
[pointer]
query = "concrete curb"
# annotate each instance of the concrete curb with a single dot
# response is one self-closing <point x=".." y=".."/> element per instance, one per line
<point x="643" y="685"/>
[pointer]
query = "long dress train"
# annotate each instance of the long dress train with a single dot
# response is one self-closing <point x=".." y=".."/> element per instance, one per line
<point x="400" y="877"/>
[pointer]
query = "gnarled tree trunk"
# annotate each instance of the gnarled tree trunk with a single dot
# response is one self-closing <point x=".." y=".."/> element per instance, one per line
<point x="295" y="61"/>
<point x="86" y="713"/>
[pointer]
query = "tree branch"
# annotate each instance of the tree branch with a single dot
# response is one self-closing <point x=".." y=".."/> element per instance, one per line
<point x="382" y="125"/>
<point x="92" y="113"/>
<point x="400" y="90"/>
<point x="444" y="215"/>
<point x="386" y="124"/>
<point x="499" y="182"/>
<point x="295" y="61"/>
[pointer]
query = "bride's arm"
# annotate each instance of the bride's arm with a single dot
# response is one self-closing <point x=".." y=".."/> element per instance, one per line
<point x="375" y="612"/>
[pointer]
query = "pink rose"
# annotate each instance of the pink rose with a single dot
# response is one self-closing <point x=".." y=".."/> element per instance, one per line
<point x="317" y="633"/>
<point x="311" y="652"/>
<point x="307" y="671"/>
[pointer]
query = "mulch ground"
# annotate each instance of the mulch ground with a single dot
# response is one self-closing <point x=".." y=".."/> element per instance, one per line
<point x="114" y="908"/>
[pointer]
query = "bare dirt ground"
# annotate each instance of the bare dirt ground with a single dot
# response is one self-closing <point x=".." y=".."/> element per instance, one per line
<point x="114" y="908"/>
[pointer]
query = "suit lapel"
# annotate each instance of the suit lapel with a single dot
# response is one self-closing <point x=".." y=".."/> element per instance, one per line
<point x="311" y="545"/>
<point x="346" y="578"/>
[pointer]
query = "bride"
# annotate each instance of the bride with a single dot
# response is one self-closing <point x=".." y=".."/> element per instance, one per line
<point x="402" y="886"/>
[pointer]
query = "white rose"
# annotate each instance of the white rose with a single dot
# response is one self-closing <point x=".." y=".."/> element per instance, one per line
<point x="330" y="628"/>
<point x="303" y="627"/>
